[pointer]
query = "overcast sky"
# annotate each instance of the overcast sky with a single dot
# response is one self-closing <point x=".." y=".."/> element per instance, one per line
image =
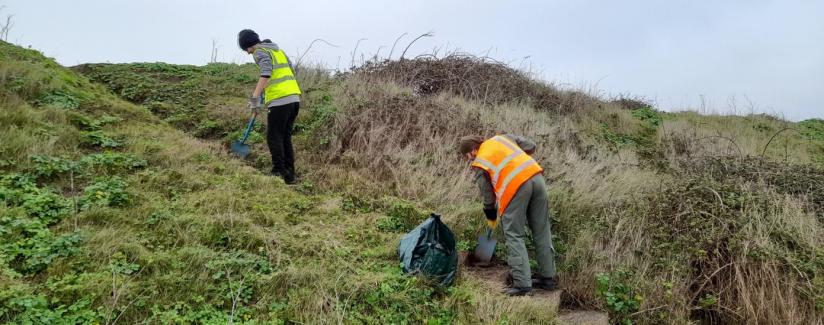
<point x="742" y="56"/>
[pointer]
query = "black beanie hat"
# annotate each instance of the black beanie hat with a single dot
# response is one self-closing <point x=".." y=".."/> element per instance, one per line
<point x="247" y="38"/>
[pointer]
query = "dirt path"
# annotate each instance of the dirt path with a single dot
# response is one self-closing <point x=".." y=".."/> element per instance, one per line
<point x="494" y="276"/>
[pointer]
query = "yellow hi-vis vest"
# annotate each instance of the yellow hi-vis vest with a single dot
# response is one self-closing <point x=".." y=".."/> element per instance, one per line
<point x="282" y="82"/>
<point x="508" y="167"/>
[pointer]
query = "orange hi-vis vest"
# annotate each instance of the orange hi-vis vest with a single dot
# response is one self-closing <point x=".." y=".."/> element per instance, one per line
<point x="508" y="167"/>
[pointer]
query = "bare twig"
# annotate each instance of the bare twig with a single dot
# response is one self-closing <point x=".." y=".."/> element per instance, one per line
<point x="720" y="201"/>
<point x="140" y="295"/>
<point x="708" y="278"/>
<point x="117" y="291"/>
<point x="378" y="53"/>
<point x="393" y="46"/>
<point x="235" y="296"/>
<point x="773" y="137"/>
<point x="352" y="63"/>
<point x="6" y="27"/>
<point x="215" y="47"/>
<point x="646" y="310"/>
<point x="74" y="195"/>
<point x="428" y="34"/>
<point x="300" y="59"/>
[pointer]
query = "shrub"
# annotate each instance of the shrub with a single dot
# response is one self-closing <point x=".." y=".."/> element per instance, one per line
<point x="207" y="128"/>
<point x="59" y="98"/>
<point x="320" y="114"/>
<point x="620" y="298"/>
<point x="47" y="166"/>
<point x="476" y="78"/>
<point x="21" y="307"/>
<point x="110" y="192"/>
<point x="28" y="246"/>
<point x="236" y="274"/>
<point x="648" y="115"/>
<point x="630" y="103"/>
<point x="39" y="251"/>
<point x="401" y="217"/>
<point x="355" y="204"/>
<point x="111" y="162"/>
<point x="19" y="190"/>
<point x="616" y="140"/>
<point x="87" y="123"/>
<point x="99" y="139"/>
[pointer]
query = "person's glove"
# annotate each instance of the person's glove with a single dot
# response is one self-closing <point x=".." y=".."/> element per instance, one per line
<point x="491" y="217"/>
<point x="255" y="104"/>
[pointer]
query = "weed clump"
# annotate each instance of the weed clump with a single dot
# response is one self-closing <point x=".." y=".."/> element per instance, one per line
<point x="20" y="190"/>
<point x="27" y="211"/>
<point x="109" y="192"/>
<point x="60" y="99"/>
<point x="619" y="296"/>
<point x="401" y="217"/>
<point x="100" y="139"/>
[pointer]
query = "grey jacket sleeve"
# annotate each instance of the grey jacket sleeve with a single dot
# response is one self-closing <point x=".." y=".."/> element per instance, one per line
<point x="526" y="145"/>
<point x="485" y="188"/>
<point x="264" y="61"/>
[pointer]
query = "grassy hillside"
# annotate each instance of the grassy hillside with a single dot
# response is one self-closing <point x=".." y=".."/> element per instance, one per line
<point x="121" y="204"/>
<point x="111" y="214"/>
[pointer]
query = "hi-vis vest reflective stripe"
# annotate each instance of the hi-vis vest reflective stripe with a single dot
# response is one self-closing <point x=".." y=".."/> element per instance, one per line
<point x="282" y="82"/>
<point x="508" y="168"/>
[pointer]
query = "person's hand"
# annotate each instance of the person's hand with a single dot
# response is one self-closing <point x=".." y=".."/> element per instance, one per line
<point x="255" y="104"/>
<point x="491" y="217"/>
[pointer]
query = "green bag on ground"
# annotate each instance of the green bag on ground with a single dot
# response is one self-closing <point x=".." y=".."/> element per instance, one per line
<point x="429" y="250"/>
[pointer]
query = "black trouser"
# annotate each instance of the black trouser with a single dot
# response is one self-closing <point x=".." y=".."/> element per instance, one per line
<point x="279" y="138"/>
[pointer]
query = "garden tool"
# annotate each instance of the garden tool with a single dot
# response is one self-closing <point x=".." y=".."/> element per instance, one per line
<point x="486" y="244"/>
<point x="240" y="148"/>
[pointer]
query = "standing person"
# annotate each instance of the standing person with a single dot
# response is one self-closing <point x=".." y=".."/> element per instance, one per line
<point x="278" y="90"/>
<point x="513" y="190"/>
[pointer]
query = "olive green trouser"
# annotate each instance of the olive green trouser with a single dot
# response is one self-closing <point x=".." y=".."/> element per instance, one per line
<point x="529" y="206"/>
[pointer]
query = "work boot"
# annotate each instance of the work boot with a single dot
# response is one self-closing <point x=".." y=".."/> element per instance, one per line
<point x="517" y="291"/>
<point x="289" y="177"/>
<point x="543" y="283"/>
<point x="538" y="282"/>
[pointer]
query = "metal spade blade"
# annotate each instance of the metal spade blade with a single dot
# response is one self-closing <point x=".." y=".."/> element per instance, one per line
<point x="240" y="148"/>
<point x="486" y="247"/>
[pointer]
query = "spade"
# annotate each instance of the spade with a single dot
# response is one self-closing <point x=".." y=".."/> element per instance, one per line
<point x="485" y="249"/>
<point x="240" y="148"/>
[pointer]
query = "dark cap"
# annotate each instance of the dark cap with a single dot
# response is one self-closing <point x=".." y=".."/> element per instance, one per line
<point x="247" y="38"/>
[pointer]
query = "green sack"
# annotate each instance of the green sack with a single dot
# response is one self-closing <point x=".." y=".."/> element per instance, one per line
<point x="429" y="250"/>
